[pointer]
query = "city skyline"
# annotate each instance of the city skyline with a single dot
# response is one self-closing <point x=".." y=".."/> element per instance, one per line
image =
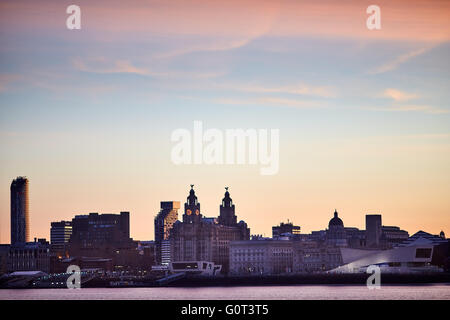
<point x="165" y="203"/>
<point x="363" y="115"/>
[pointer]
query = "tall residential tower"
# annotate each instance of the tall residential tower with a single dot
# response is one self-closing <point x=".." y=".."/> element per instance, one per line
<point x="20" y="216"/>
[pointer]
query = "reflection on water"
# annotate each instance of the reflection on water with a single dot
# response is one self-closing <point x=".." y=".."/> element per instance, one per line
<point x="251" y="293"/>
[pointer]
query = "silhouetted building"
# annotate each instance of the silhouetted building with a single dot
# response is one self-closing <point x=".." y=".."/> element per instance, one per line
<point x="20" y="217"/>
<point x="355" y="238"/>
<point x="271" y="257"/>
<point x="60" y="233"/>
<point x="163" y="225"/>
<point x="336" y="232"/>
<point x="227" y="216"/>
<point x="4" y="253"/>
<point x="104" y="236"/>
<point x="30" y="256"/>
<point x="319" y="235"/>
<point x="285" y="228"/>
<point x="313" y="256"/>
<point x="263" y="257"/>
<point x="392" y="236"/>
<point x="147" y="255"/>
<point x="423" y="236"/>
<point x="192" y="208"/>
<point x="206" y="239"/>
<point x="441" y="255"/>
<point x="373" y="230"/>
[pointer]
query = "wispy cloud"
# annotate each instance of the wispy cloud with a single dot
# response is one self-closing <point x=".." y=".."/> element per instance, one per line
<point x="294" y="89"/>
<point x="393" y="64"/>
<point x="300" y="89"/>
<point x="398" y="95"/>
<point x="102" y="65"/>
<point x="270" y="101"/>
<point x="216" y="45"/>
<point x="411" y="108"/>
<point x="107" y="66"/>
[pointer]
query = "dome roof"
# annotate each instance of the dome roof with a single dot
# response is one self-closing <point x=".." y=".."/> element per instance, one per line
<point x="335" y="221"/>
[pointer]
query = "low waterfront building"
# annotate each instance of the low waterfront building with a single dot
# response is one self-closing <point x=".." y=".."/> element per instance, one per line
<point x="422" y="252"/>
<point x="30" y="256"/>
<point x="264" y="257"/>
<point x="99" y="264"/>
<point x="408" y="259"/>
<point x="311" y="256"/>
<point x="199" y="268"/>
<point x="271" y="257"/>
<point x="423" y="236"/>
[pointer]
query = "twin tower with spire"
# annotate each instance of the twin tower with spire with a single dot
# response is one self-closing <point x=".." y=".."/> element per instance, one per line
<point x="192" y="213"/>
<point x="198" y="238"/>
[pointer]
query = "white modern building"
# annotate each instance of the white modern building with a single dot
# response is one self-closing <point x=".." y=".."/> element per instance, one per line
<point x="413" y="257"/>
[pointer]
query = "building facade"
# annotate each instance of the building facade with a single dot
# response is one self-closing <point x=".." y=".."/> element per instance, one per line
<point x="60" y="233"/>
<point x="261" y="257"/>
<point x="336" y="235"/>
<point x="4" y="254"/>
<point x="164" y="221"/>
<point x="373" y="230"/>
<point x="285" y="228"/>
<point x="392" y="236"/>
<point x="272" y="257"/>
<point x="30" y="256"/>
<point x="205" y="239"/>
<point x="104" y="236"/>
<point x="20" y="216"/>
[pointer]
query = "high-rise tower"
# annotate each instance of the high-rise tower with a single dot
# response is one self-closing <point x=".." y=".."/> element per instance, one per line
<point x="20" y="218"/>
<point x="163" y="225"/>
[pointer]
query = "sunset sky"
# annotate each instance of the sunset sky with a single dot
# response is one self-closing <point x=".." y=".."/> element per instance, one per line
<point x="364" y="115"/>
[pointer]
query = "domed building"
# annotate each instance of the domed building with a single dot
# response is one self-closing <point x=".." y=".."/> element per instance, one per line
<point x="336" y="233"/>
<point x="335" y="221"/>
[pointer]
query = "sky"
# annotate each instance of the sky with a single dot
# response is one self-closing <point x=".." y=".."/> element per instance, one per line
<point x="363" y="115"/>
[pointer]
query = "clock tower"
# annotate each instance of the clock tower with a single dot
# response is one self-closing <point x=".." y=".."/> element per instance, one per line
<point x="227" y="215"/>
<point x="192" y="208"/>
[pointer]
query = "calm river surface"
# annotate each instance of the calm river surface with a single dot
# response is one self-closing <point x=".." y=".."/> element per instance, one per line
<point x="298" y="292"/>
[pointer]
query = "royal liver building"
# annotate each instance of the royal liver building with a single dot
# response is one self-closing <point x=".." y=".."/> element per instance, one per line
<point x="198" y="238"/>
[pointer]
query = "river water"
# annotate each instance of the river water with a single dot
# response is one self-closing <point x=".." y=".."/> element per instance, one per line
<point x="297" y="292"/>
